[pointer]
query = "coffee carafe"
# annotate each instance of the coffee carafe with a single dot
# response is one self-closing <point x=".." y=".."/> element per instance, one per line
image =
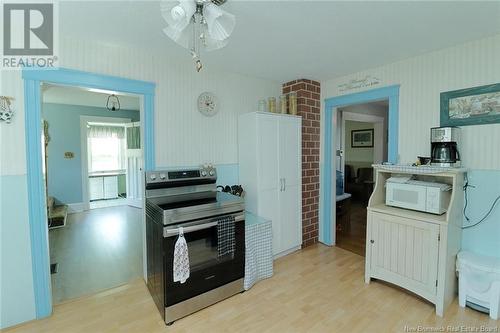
<point x="444" y="146"/>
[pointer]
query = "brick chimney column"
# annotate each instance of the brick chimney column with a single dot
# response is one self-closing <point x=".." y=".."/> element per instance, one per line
<point x="308" y="106"/>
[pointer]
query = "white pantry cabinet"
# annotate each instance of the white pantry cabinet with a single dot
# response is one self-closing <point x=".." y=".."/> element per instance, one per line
<point x="270" y="162"/>
<point x="415" y="250"/>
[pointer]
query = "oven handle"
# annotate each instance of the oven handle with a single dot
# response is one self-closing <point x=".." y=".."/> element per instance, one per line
<point x="175" y="231"/>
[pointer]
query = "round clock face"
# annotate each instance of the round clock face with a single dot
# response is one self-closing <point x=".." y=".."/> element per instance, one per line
<point x="207" y="104"/>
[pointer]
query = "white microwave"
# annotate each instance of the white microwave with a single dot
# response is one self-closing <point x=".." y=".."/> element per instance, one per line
<point x="418" y="195"/>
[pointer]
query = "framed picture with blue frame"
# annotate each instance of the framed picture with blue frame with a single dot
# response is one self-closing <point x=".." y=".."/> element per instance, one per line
<point x="471" y="106"/>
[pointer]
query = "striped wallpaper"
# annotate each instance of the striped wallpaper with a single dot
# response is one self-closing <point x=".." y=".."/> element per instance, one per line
<point x="183" y="135"/>
<point x="422" y="79"/>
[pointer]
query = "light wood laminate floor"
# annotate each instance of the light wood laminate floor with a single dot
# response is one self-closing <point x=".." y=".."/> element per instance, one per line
<point x="97" y="250"/>
<point x="319" y="289"/>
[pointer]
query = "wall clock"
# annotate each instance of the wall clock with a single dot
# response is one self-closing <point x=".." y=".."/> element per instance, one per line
<point x="208" y="104"/>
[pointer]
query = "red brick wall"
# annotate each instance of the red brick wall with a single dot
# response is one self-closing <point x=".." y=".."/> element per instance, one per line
<point x="308" y="106"/>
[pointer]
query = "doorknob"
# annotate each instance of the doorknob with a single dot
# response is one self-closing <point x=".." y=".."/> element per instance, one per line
<point x="372" y="241"/>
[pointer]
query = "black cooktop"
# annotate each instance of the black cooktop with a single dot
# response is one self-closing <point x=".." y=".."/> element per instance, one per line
<point x="189" y="203"/>
<point x="221" y="199"/>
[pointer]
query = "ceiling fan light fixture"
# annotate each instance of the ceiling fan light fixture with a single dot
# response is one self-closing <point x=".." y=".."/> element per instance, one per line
<point x="180" y="37"/>
<point x="197" y="25"/>
<point x="113" y="103"/>
<point x="220" y="23"/>
<point x="178" y="13"/>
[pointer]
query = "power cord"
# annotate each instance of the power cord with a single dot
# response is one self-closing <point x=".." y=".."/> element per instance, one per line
<point x="466" y="185"/>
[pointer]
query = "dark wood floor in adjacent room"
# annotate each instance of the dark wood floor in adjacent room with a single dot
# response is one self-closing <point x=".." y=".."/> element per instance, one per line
<point x="354" y="238"/>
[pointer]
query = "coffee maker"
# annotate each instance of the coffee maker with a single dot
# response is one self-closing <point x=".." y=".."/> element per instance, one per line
<point x="444" y="146"/>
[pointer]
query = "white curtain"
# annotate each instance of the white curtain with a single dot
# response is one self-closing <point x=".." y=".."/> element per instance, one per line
<point x="106" y="148"/>
<point x="103" y="132"/>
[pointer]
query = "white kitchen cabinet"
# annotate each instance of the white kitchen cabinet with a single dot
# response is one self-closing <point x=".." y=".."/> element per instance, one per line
<point x="412" y="249"/>
<point x="270" y="161"/>
<point x="405" y="252"/>
<point x="110" y="184"/>
<point x="96" y="189"/>
<point x="103" y="187"/>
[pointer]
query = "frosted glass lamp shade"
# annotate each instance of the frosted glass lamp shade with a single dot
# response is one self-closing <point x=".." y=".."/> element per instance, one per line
<point x="178" y="14"/>
<point x="220" y="23"/>
<point x="214" y="44"/>
<point x="183" y="37"/>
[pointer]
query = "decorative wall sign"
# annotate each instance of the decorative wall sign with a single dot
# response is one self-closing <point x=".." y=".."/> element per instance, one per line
<point x="6" y="111"/>
<point x="367" y="81"/>
<point x="362" y="138"/>
<point x="472" y="106"/>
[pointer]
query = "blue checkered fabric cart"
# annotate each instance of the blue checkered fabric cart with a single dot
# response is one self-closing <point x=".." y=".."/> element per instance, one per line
<point x="259" y="249"/>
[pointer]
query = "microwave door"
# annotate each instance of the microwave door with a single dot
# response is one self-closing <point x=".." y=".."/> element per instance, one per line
<point x="407" y="196"/>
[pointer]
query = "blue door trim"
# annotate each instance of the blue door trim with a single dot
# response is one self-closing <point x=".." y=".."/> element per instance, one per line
<point x="326" y="182"/>
<point x="36" y="194"/>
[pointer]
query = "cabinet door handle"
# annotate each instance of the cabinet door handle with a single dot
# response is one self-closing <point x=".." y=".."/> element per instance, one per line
<point x="281" y="184"/>
<point x="284" y="184"/>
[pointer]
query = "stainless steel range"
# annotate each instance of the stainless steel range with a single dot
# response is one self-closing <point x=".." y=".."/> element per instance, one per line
<point x="189" y="199"/>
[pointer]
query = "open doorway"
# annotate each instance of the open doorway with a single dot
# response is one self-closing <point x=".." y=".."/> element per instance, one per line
<point x="92" y="161"/>
<point x="361" y="142"/>
<point x="113" y="160"/>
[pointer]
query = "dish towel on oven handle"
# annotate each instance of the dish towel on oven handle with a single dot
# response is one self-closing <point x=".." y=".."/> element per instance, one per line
<point x="181" y="258"/>
<point x="225" y="236"/>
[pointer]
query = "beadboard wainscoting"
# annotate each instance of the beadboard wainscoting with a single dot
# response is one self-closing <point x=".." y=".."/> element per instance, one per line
<point x="422" y="79"/>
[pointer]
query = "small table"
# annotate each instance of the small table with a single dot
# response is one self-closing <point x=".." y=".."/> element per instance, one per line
<point x="258" y="249"/>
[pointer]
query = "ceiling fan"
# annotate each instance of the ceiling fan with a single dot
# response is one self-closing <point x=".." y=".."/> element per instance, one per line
<point x="197" y="25"/>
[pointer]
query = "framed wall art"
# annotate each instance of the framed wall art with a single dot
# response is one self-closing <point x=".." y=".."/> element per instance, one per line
<point x="362" y="138"/>
<point x="472" y="106"/>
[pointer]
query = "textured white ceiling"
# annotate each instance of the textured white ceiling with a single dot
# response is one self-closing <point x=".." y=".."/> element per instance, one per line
<point x="82" y="96"/>
<point x="284" y="40"/>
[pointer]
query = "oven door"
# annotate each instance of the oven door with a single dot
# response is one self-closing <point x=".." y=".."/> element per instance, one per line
<point x="208" y="270"/>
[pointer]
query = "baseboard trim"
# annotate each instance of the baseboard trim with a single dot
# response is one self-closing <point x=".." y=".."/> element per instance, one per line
<point x="287" y="252"/>
<point x="77" y="207"/>
<point x="134" y="202"/>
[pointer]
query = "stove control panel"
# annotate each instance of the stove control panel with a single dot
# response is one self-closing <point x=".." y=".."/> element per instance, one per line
<point x="206" y="171"/>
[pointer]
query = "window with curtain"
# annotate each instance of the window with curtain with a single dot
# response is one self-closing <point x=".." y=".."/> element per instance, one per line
<point x="106" y="147"/>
